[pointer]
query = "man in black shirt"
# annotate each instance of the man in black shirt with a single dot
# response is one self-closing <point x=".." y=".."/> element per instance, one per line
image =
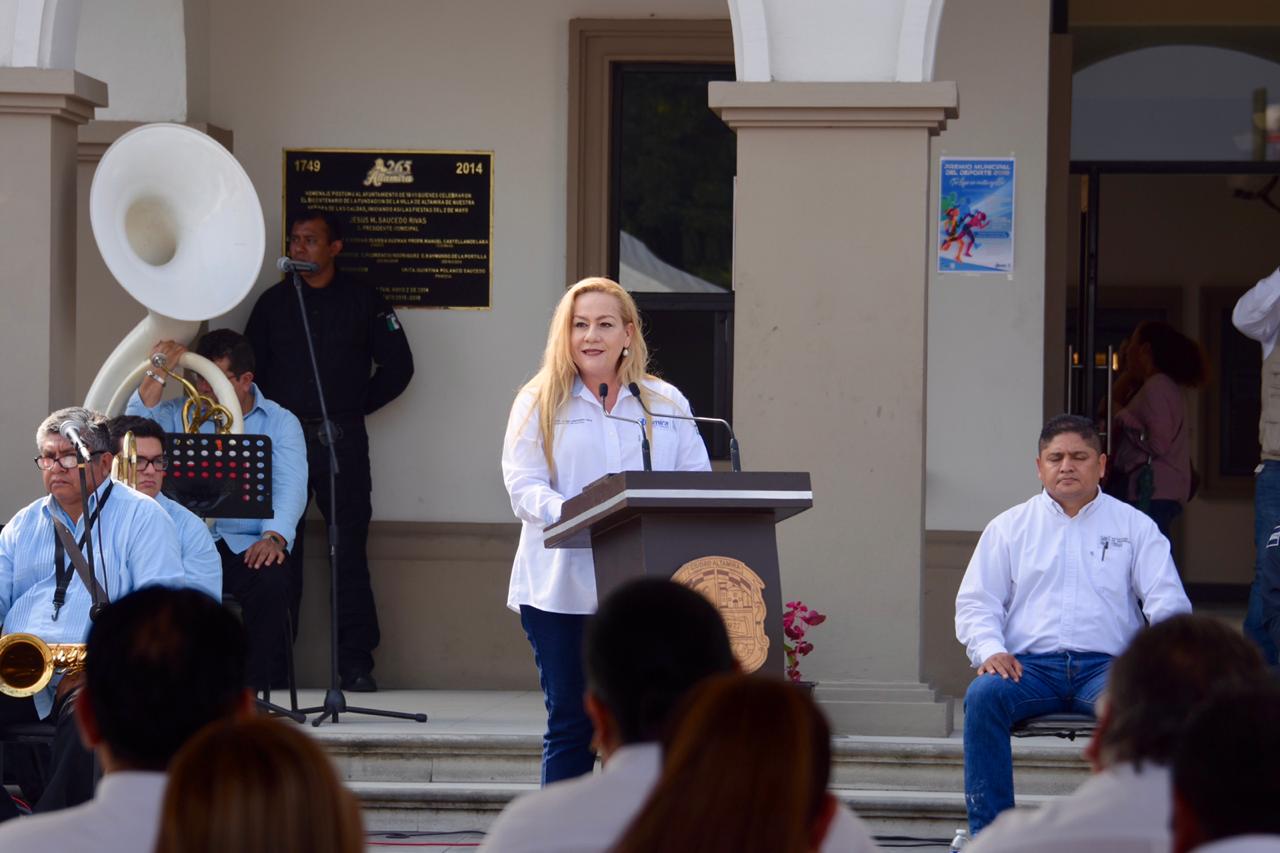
<point x="365" y="363"/>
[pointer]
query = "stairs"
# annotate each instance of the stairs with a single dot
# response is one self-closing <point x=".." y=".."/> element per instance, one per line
<point x="416" y="779"/>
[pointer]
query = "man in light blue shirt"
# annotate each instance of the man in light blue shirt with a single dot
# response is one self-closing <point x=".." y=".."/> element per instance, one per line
<point x="200" y="561"/>
<point x="134" y="544"/>
<point x="254" y="551"/>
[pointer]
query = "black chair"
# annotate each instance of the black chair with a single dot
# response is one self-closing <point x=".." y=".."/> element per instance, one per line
<point x="1069" y="726"/>
<point x="36" y="742"/>
<point x="264" y="702"/>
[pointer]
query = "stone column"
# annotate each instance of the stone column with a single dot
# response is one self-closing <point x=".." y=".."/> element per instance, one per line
<point x="831" y="252"/>
<point x="40" y="111"/>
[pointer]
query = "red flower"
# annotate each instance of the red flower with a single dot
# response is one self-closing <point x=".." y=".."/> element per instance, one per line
<point x="795" y="632"/>
<point x="804" y="648"/>
<point x="813" y="617"/>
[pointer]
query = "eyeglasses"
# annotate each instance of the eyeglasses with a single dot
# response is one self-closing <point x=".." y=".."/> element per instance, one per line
<point x="67" y="462"/>
<point x="159" y="463"/>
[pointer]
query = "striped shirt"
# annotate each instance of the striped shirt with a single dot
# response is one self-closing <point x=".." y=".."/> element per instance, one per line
<point x="139" y="546"/>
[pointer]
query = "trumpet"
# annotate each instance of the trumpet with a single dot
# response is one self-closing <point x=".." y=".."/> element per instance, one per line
<point x="27" y="663"/>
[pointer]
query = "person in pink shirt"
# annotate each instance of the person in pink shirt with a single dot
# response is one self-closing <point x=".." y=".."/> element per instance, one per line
<point x="1151" y="447"/>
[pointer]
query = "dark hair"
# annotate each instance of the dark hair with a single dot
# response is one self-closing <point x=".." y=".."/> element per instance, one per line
<point x="225" y="343"/>
<point x="257" y="786"/>
<point x="1167" y="671"/>
<point x="331" y="220"/>
<point x="647" y="645"/>
<point x="161" y="664"/>
<point x="1173" y="353"/>
<point x="1075" y="424"/>
<point x="140" y="427"/>
<point x="1224" y="770"/>
<point x="746" y="769"/>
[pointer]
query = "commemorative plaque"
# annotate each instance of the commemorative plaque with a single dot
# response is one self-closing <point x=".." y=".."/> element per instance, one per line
<point x="417" y="224"/>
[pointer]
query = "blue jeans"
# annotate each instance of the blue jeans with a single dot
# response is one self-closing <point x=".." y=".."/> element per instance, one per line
<point x="557" y="650"/>
<point x="1053" y="683"/>
<point x="1266" y="512"/>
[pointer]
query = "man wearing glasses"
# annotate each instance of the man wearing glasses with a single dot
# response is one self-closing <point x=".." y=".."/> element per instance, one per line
<point x="200" y="561"/>
<point x="133" y="544"/>
<point x="254" y="551"/>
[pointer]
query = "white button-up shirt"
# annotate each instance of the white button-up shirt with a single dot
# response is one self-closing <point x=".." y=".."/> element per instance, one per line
<point x="587" y="446"/>
<point x="1120" y="810"/>
<point x="589" y="814"/>
<point x="1041" y="581"/>
<point x="122" y="817"/>
<point x="1257" y="313"/>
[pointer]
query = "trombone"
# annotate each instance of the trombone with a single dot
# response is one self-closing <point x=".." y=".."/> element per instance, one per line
<point x="28" y="663"/>
<point x="124" y="467"/>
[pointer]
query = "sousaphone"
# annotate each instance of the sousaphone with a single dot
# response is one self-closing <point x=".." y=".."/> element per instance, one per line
<point x="179" y="225"/>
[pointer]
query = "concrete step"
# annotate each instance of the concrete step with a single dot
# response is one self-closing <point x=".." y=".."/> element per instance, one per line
<point x="435" y="757"/>
<point x="1041" y="766"/>
<point x="459" y="807"/>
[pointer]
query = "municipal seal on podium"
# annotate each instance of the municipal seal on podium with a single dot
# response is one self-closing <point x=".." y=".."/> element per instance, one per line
<point x="737" y="592"/>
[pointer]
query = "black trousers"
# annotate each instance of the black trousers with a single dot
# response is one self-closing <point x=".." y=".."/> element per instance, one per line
<point x="68" y="778"/>
<point x="263" y="598"/>
<point x="358" y="633"/>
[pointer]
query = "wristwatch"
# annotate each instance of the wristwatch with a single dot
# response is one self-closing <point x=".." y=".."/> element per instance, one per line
<point x="275" y="537"/>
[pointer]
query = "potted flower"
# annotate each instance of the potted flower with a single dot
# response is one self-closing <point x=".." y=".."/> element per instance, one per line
<point x="797" y="619"/>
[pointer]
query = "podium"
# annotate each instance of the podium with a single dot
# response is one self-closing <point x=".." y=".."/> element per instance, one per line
<point x="710" y="530"/>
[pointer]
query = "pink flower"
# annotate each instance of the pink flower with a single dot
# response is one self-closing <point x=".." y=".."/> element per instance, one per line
<point x="804" y="648"/>
<point x="794" y="632"/>
<point x="813" y="617"/>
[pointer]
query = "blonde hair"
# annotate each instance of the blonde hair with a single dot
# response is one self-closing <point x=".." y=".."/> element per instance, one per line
<point x="553" y="383"/>
<point x="256" y="786"/>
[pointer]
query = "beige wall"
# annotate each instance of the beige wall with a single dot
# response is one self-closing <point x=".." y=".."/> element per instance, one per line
<point x="986" y="332"/>
<point x="477" y="75"/>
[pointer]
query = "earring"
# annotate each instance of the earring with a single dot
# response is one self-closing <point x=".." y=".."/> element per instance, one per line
<point x="626" y="351"/>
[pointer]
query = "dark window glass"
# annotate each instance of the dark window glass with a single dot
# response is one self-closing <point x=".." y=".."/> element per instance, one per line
<point x="671" y="222"/>
<point x="672" y="179"/>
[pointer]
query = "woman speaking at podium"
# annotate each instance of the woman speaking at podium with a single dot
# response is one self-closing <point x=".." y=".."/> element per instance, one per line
<point x="566" y="430"/>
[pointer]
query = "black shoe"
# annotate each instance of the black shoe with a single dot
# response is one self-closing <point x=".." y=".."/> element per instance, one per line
<point x="360" y="683"/>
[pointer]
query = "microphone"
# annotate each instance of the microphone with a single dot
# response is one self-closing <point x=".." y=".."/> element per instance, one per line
<point x="734" y="458"/>
<point x="70" y="430"/>
<point x="644" y="437"/>
<point x="287" y="264"/>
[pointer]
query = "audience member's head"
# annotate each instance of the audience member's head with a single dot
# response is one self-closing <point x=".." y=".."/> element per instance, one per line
<point x="1167" y="671"/>
<point x="647" y="645"/>
<point x="160" y="665"/>
<point x="1226" y="770"/>
<point x="257" y="786"/>
<point x="745" y="769"/>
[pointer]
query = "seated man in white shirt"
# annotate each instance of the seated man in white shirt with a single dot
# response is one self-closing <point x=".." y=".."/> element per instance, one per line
<point x="201" y="564"/>
<point x="1225" y="782"/>
<point x="649" y="643"/>
<point x="1166" y="673"/>
<point x="1057" y="586"/>
<point x="160" y="665"/>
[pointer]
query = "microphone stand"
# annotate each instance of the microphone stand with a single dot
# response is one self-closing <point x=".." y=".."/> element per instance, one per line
<point x="644" y="436"/>
<point x="335" y="702"/>
<point x="735" y="459"/>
